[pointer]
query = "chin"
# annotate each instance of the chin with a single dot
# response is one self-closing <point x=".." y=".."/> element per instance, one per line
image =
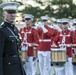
<point x="11" y="21"/>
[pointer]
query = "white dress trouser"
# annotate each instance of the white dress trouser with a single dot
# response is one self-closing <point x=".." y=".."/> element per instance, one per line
<point x="31" y="66"/>
<point x="44" y="62"/>
<point x="57" y="70"/>
<point x="74" y="70"/>
<point x="69" y="66"/>
<point x="60" y="72"/>
<point x="74" y="66"/>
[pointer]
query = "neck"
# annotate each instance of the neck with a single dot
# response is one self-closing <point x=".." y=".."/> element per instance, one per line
<point x="28" y="25"/>
<point x="11" y="22"/>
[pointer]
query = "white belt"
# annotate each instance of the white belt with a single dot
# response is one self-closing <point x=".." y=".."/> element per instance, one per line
<point x="58" y="49"/>
<point x="30" y="44"/>
<point x="66" y="45"/>
<point x="44" y="40"/>
<point x="73" y="44"/>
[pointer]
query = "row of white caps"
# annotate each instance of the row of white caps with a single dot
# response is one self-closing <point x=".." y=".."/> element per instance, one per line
<point x="14" y="6"/>
<point x="32" y="17"/>
<point x="63" y="20"/>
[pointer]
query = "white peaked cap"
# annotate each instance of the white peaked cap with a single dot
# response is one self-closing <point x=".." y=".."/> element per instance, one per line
<point x="44" y="17"/>
<point x="65" y="20"/>
<point x="74" y="21"/>
<point x="28" y="16"/>
<point x="9" y="6"/>
<point x="59" y="20"/>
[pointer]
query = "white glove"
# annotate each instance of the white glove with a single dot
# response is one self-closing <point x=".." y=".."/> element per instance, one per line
<point x="44" y="29"/>
<point x="36" y="24"/>
<point x="41" y="25"/>
<point x="24" y="49"/>
<point x="75" y="51"/>
<point x="54" y="45"/>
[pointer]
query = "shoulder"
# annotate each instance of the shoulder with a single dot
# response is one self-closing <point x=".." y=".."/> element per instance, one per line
<point x="2" y="28"/>
<point x="2" y="25"/>
<point x="34" y="29"/>
<point x="21" y="29"/>
<point x="17" y="30"/>
<point x="69" y="31"/>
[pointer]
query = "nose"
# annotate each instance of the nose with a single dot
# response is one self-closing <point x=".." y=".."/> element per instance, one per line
<point x="13" y="15"/>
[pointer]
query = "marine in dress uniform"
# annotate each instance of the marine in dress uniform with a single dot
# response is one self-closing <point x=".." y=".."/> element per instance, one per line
<point x="44" y="53"/>
<point x="65" y="39"/>
<point x="10" y="63"/>
<point x="56" y="69"/>
<point x="29" y="43"/>
<point x="74" y="46"/>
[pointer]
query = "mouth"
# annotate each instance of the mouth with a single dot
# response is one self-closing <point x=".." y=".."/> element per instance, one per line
<point x="12" y="18"/>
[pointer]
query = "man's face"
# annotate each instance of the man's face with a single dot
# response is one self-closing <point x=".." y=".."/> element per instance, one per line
<point x="9" y="16"/>
<point x="45" y="22"/>
<point x="65" y="26"/>
<point x="28" y="21"/>
<point x="60" y="25"/>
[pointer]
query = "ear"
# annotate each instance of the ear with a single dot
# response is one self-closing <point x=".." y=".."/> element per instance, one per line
<point x="3" y="13"/>
<point x="33" y="20"/>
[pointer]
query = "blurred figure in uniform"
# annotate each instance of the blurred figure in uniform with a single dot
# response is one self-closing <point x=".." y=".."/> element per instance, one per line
<point x="59" y="23"/>
<point x="44" y="53"/>
<point x="65" y="39"/>
<point x="28" y="47"/>
<point x="71" y="26"/>
<point x="10" y="62"/>
<point x="74" y="46"/>
<point x="57" y="68"/>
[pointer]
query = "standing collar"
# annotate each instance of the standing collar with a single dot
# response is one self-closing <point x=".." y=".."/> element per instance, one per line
<point x="8" y="24"/>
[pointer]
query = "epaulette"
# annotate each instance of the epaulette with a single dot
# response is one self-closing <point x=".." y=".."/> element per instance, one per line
<point x="34" y="27"/>
<point x="2" y="25"/>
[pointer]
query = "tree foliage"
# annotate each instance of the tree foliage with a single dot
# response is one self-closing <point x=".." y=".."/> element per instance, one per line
<point x="65" y="8"/>
<point x="1" y="17"/>
<point x="53" y="8"/>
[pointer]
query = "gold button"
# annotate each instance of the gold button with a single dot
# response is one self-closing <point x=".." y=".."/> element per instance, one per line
<point x="18" y="49"/>
<point x="18" y="40"/>
<point x="14" y="30"/>
<point x="9" y="63"/>
<point x="26" y="30"/>
<point x="11" y="25"/>
<point x="42" y="34"/>
<point x="12" y="40"/>
<point x="16" y="36"/>
<point x="64" y="33"/>
<point x="17" y="43"/>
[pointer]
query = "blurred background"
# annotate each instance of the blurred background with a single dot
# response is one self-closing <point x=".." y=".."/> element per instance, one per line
<point x="52" y="8"/>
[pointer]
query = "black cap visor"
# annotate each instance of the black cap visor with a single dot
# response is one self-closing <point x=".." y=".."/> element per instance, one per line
<point x="27" y="18"/>
<point x="74" y="23"/>
<point x="44" y="20"/>
<point x="59" y="22"/>
<point x="64" y="23"/>
<point x="11" y="11"/>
